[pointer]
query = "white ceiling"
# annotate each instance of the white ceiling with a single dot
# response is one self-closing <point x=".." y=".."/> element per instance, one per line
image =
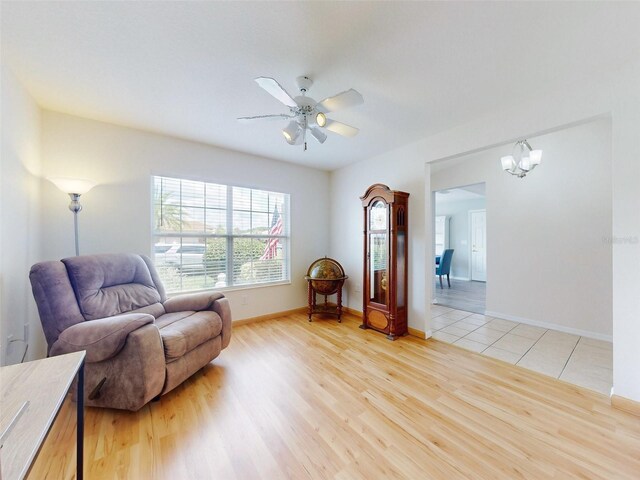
<point x="469" y="192"/>
<point x="186" y="68"/>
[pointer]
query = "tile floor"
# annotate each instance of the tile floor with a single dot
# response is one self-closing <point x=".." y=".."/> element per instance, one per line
<point x="574" y="359"/>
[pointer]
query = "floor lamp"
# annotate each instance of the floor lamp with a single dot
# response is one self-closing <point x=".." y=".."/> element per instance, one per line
<point x="74" y="188"/>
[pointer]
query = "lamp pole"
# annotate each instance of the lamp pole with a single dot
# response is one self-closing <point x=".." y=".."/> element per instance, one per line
<point x="75" y="207"/>
<point x="74" y="187"/>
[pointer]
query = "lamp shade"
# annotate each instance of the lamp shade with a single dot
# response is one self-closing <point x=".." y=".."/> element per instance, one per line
<point x="321" y="119"/>
<point x="318" y="134"/>
<point x="291" y="132"/>
<point x="508" y="162"/>
<point x="522" y="161"/>
<point x="535" y="157"/>
<point x="73" y="185"/>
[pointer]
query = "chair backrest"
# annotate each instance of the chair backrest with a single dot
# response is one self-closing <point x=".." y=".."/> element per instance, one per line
<point x="87" y="287"/>
<point x="445" y="262"/>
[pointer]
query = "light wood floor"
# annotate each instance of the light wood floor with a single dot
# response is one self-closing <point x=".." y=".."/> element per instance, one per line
<point x="292" y="399"/>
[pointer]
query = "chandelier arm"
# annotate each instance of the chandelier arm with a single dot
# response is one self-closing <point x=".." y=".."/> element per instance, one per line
<point x="517" y="169"/>
<point x="526" y="144"/>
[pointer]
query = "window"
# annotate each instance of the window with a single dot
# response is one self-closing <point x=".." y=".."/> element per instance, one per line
<point x="207" y="235"/>
<point x="442" y="234"/>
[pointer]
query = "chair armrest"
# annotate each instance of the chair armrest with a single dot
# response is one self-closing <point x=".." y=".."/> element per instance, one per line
<point x="102" y="338"/>
<point x="222" y="308"/>
<point x="192" y="302"/>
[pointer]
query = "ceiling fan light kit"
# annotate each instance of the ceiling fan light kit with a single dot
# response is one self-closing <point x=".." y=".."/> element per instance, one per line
<point x="305" y="114"/>
<point x="291" y="132"/>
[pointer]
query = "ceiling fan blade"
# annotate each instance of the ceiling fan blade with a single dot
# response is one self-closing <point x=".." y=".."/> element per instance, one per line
<point x="341" y="128"/>
<point x="279" y="116"/>
<point x="275" y="89"/>
<point x="318" y="134"/>
<point x="350" y="98"/>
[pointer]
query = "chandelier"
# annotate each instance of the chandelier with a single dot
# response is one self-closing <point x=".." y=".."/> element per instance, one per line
<point x="523" y="160"/>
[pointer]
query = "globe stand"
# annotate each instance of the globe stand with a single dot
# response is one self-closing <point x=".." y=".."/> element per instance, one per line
<point x="325" y="308"/>
<point x="326" y="277"/>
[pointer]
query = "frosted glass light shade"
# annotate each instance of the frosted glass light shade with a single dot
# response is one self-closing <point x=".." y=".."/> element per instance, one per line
<point x="522" y="161"/>
<point x="535" y="157"/>
<point x="508" y="162"/>
<point x="78" y="186"/>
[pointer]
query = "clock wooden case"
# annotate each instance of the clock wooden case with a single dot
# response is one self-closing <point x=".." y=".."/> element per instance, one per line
<point x="385" y="260"/>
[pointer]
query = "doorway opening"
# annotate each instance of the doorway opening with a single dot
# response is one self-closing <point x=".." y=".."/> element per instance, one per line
<point x="460" y="238"/>
<point x="549" y="264"/>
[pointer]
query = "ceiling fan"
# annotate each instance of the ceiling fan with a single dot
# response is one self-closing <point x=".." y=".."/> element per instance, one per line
<point x="305" y="114"/>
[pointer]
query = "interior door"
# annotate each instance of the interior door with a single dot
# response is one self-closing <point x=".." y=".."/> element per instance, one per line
<point x="478" y="223"/>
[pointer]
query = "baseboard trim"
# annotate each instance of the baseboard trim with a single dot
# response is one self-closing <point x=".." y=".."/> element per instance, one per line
<point x="553" y="326"/>
<point x="352" y="311"/>
<point x="625" y="404"/>
<point x="414" y="332"/>
<point x="268" y="316"/>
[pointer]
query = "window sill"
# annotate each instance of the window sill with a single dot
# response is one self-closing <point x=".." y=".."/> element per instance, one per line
<point x="231" y="289"/>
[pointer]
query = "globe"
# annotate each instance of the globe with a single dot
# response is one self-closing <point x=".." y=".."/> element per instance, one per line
<point x="326" y="276"/>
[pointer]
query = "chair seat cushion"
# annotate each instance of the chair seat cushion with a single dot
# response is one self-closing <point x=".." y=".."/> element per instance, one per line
<point x="181" y="332"/>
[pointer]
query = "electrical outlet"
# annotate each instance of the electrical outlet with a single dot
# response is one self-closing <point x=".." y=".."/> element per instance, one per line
<point x="244" y="300"/>
<point x="26" y="333"/>
<point x="358" y="287"/>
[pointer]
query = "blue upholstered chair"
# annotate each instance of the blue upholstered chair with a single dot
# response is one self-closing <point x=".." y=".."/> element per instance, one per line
<point x="444" y="267"/>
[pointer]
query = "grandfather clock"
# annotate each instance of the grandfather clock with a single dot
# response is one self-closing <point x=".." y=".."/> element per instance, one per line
<point x="385" y="260"/>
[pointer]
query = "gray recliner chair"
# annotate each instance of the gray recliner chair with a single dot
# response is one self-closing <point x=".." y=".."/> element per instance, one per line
<point x="139" y="344"/>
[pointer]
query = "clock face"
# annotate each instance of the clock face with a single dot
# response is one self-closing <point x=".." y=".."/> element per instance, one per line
<point x="378" y="216"/>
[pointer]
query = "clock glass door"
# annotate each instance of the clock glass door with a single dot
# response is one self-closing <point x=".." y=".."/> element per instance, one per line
<point x="378" y="264"/>
<point x="379" y="253"/>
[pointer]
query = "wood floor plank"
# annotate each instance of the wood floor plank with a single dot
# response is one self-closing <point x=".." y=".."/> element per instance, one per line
<point x="292" y="399"/>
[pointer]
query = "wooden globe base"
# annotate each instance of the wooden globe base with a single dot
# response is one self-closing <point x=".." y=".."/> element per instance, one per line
<point x="325" y="276"/>
<point x="325" y="308"/>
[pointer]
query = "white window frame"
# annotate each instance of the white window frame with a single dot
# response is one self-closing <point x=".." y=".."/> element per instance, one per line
<point x="285" y="238"/>
<point x="444" y="220"/>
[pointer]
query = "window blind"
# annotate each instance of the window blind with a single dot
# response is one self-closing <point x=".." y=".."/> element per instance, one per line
<point x="208" y="235"/>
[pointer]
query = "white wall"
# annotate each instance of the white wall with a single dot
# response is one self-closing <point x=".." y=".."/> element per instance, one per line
<point x="347" y="185"/>
<point x="614" y="93"/>
<point x="548" y="258"/>
<point x="458" y="213"/>
<point x="19" y="221"/>
<point x="117" y="213"/>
